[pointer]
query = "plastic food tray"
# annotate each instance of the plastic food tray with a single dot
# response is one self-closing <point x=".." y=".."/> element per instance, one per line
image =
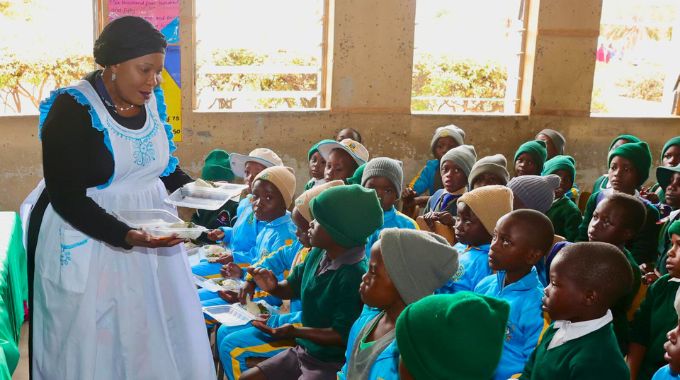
<point x="157" y="223"/>
<point x="213" y="284"/>
<point x="229" y="315"/>
<point x="204" y="198"/>
<point x="203" y="253"/>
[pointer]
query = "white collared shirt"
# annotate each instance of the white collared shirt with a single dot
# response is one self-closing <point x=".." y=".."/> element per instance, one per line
<point x="569" y="331"/>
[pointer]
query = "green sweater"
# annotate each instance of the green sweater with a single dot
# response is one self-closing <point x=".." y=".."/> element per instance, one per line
<point x="592" y="356"/>
<point x="643" y="246"/>
<point x="328" y="300"/>
<point x="652" y="321"/>
<point x="665" y="241"/>
<point x="620" y="308"/>
<point x="565" y="217"/>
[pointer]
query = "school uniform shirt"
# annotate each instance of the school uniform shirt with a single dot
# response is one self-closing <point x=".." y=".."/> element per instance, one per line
<point x="314" y="182"/>
<point x="473" y="266"/>
<point x="565" y="217"/>
<point x="655" y="317"/>
<point x="583" y="350"/>
<point x="622" y="306"/>
<point x="391" y="219"/>
<point x="665" y="373"/>
<point x="442" y="200"/>
<point x="329" y="293"/>
<point x="665" y="240"/>
<point x="386" y="365"/>
<point x="525" y="322"/>
<point x="278" y="233"/>
<point x="644" y="245"/>
<point x="243" y="234"/>
<point x="426" y="179"/>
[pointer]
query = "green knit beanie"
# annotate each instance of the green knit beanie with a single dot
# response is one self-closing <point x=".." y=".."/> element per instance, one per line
<point x="349" y="213"/>
<point x="560" y="163"/>
<point x="315" y="148"/>
<point x="674" y="141"/>
<point x="452" y="336"/>
<point x="639" y="154"/>
<point x="217" y="166"/>
<point x="674" y="229"/>
<point x="537" y="150"/>
<point x="630" y="138"/>
<point x="664" y="175"/>
<point x="355" y="179"/>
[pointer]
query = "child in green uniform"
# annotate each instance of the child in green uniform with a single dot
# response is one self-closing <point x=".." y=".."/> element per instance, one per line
<point x="530" y="157"/>
<point x="317" y="165"/>
<point x="586" y="280"/>
<point x="671" y="371"/>
<point x="564" y="214"/>
<point x="616" y="220"/>
<point x="669" y="180"/>
<point x="217" y="168"/>
<point x="603" y="181"/>
<point x="656" y="316"/>
<point x="326" y="283"/>
<point x="451" y="336"/>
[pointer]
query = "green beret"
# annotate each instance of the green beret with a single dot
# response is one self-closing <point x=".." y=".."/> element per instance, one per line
<point x="639" y="154"/>
<point x="537" y="150"/>
<point x="217" y="166"/>
<point x="630" y="138"/>
<point x="560" y="162"/>
<point x="674" y="141"/>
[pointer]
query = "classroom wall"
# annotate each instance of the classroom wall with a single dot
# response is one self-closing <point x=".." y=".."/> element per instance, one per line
<point x="370" y="60"/>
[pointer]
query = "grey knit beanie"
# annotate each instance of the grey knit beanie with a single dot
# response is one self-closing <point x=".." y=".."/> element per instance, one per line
<point x="464" y="156"/>
<point x="557" y="139"/>
<point x="496" y="164"/>
<point x="536" y="192"/>
<point x="384" y="167"/>
<point x="457" y="134"/>
<point x="417" y="262"/>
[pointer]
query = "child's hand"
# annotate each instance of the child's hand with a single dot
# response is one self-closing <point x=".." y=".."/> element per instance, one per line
<point x="408" y="194"/>
<point x="225" y="259"/>
<point x="650" y="196"/>
<point x="264" y="278"/>
<point x="446" y="218"/>
<point x="286" y="331"/>
<point x="247" y="290"/>
<point x="228" y="295"/>
<point x="430" y="218"/>
<point x="231" y="270"/>
<point x="215" y="235"/>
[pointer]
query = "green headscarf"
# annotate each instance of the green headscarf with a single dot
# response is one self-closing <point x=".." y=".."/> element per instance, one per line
<point x="674" y="141"/>
<point x="630" y="138"/>
<point x="537" y="150"/>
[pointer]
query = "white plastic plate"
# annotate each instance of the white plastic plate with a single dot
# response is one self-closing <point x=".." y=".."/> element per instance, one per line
<point x="157" y="222"/>
<point x="204" y="198"/>
<point x="229" y="315"/>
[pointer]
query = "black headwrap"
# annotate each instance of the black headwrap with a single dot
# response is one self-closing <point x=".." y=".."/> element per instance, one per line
<point x="126" y="38"/>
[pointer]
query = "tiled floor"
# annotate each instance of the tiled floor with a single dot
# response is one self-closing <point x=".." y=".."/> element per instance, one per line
<point x="21" y="372"/>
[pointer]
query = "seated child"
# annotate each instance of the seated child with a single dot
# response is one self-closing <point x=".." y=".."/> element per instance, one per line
<point x="530" y="157"/>
<point x="452" y="336"/>
<point x="478" y="213"/>
<point x="521" y="238"/>
<point x="554" y="142"/>
<point x="534" y="192"/>
<point x="455" y="168"/>
<point x="317" y="165"/>
<point x="489" y="170"/>
<point x="342" y="158"/>
<point x="348" y="133"/>
<point x="563" y="213"/>
<point x="628" y="169"/>
<point x="603" y="182"/>
<point x="670" y="158"/>
<point x="405" y="266"/>
<point x="243" y="235"/>
<point x="586" y="279"/>
<point x="669" y="180"/>
<point x="656" y="316"/>
<point x="238" y="344"/>
<point x="326" y="283"/>
<point x="217" y="168"/>
<point x="273" y="190"/>
<point x="616" y="220"/>
<point x="385" y="176"/>
<point x="671" y="371"/>
<point x="429" y="178"/>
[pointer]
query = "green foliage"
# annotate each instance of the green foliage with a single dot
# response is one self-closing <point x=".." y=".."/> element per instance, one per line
<point x="646" y="88"/>
<point x="446" y="78"/>
<point x="259" y="82"/>
<point x="30" y="80"/>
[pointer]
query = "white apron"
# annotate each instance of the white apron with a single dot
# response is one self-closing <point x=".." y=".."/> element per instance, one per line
<point x="102" y="312"/>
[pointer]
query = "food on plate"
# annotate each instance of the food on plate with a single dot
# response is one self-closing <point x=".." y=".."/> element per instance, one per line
<point x="183" y="225"/>
<point x="255" y="308"/>
<point x="214" y="250"/>
<point x="202" y="183"/>
<point x="230" y="284"/>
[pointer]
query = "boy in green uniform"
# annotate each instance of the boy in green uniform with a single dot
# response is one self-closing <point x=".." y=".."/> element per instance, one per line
<point x="563" y="213"/>
<point x="656" y="316"/>
<point x="616" y="220"/>
<point x="326" y="283"/>
<point x="586" y="280"/>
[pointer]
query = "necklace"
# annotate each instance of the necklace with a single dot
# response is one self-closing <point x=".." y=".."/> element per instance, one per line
<point x="109" y="102"/>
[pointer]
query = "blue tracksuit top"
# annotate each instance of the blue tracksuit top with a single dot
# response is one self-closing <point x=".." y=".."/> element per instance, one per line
<point x="424" y="180"/>
<point x="525" y="322"/>
<point x="473" y="266"/>
<point x="391" y="219"/>
<point x="242" y="236"/>
<point x="665" y="373"/>
<point x="386" y="366"/>
<point x="274" y="235"/>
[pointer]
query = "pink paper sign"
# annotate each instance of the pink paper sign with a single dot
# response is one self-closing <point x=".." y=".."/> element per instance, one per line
<point x="158" y="12"/>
